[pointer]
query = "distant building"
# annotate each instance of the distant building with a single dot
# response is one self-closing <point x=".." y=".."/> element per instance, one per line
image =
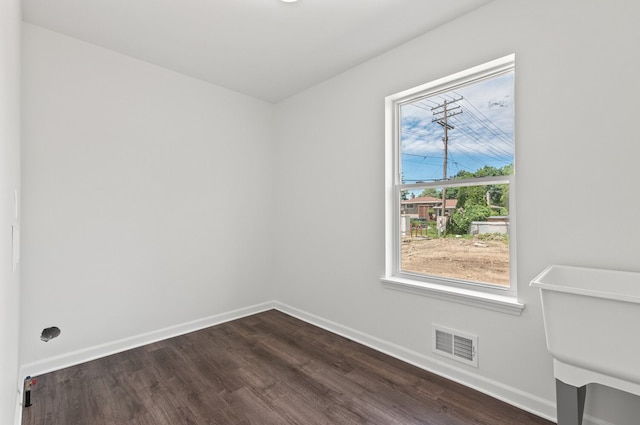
<point x="427" y="207"/>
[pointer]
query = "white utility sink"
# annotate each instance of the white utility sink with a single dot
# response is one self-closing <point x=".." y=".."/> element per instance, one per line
<point x="591" y="321"/>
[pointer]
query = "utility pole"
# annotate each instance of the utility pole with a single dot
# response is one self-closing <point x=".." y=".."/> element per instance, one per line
<point x="442" y="114"/>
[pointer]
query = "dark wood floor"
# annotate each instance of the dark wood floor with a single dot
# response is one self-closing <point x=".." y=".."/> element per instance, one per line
<point x="264" y="369"/>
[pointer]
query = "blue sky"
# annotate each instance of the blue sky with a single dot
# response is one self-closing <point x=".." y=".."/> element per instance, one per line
<point x="483" y="133"/>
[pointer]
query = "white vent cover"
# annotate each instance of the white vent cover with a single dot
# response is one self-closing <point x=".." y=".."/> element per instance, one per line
<point x="455" y="345"/>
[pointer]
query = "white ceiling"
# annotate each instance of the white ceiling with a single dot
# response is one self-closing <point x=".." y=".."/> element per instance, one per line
<point x="264" y="48"/>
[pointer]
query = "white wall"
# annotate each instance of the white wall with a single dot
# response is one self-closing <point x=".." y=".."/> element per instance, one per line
<point x="147" y="198"/>
<point x="577" y="65"/>
<point x="141" y="186"/>
<point x="9" y="183"/>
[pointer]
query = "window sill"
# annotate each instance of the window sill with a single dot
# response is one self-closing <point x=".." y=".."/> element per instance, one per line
<point x="499" y="303"/>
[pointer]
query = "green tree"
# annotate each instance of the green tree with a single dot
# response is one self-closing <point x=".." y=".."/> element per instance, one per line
<point x="462" y="218"/>
<point x="472" y="195"/>
<point x="477" y="195"/>
<point x="477" y="203"/>
<point x="430" y="191"/>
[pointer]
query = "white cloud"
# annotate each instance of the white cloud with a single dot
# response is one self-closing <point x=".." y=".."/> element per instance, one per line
<point x="482" y="133"/>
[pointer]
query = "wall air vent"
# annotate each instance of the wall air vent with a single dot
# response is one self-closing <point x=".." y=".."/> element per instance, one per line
<point x="455" y="345"/>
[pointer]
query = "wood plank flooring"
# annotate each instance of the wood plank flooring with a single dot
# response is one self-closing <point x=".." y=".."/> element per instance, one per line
<point x="264" y="369"/>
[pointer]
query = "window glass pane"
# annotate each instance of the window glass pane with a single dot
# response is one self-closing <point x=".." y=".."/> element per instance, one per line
<point x="458" y="232"/>
<point x="458" y="132"/>
<point x="469" y="243"/>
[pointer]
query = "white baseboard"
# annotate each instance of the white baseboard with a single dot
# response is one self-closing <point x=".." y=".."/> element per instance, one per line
<point x="92" y="353"/>
<point x="518" y="398"/>
<point x="513" y="396"/>
<point x="592" y="420"/>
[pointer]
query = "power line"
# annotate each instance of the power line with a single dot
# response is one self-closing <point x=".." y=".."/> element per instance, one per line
<point x="488" y="120"/>
<point x="481" y="141"/>
<point x="443" y="112"/>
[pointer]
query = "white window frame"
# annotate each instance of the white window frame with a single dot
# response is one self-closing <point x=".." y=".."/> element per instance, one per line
<point x="491" y="297"/>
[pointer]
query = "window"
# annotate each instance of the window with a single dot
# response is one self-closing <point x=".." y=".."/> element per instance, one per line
<point x="450" y="187"/>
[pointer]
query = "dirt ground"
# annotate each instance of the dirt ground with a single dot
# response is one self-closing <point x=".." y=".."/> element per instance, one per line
<point x="476" y="260"/>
